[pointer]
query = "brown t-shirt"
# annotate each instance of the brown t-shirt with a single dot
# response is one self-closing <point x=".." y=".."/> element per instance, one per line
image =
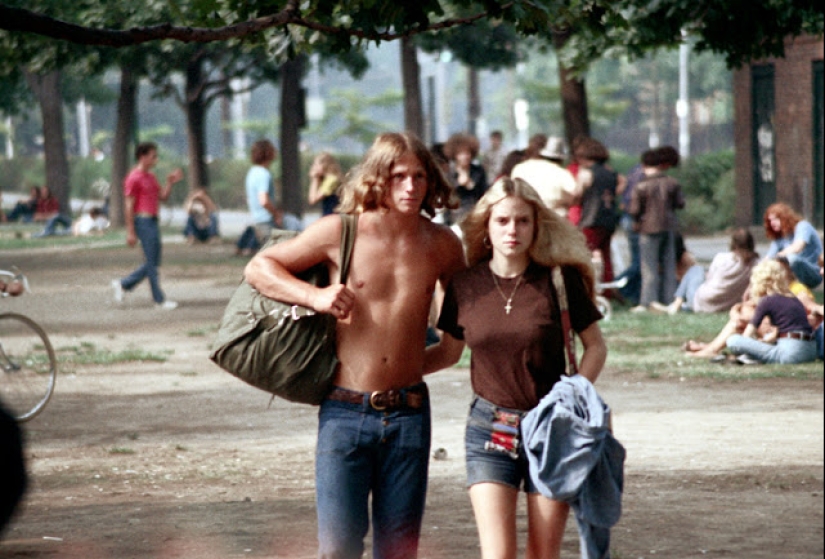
<point x="516" y="357"/>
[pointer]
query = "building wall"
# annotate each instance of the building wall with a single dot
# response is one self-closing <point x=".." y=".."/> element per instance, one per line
<point x="793" y="129"/>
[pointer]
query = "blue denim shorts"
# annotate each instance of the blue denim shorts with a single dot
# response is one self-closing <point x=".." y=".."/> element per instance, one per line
<point x="491" y="458"/>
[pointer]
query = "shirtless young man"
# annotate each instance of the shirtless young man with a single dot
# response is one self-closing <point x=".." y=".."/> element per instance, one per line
<point x="374" y="427"/>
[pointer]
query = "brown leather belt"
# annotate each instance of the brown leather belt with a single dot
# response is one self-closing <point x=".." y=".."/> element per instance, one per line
<point x="804" y="336"/>
<point x="412" y="397"/>
<point x="144" y="214"/>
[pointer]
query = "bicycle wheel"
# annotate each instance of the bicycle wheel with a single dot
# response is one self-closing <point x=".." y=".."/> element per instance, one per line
<point x="28" y="366"/>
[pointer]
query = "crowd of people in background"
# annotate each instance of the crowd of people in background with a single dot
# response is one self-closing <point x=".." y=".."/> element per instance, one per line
<point x="577" y="184"/>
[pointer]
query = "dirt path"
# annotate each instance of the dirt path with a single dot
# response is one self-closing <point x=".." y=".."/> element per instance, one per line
<point x="178" y="459"/>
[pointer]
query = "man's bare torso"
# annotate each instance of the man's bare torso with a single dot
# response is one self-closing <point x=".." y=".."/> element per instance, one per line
<point x="393" y="275"/>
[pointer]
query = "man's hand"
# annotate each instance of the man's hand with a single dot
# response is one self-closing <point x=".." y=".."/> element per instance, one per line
<point x="336" y="300"/>
<point x="131" y="238"/>
<point x="174" y="176"/>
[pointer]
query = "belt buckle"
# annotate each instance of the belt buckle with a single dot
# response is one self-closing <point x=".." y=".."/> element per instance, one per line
<point x="374" y="400"/>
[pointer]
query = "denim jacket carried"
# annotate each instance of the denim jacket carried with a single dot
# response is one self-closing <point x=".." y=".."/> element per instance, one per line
<point x="574" y="458"/>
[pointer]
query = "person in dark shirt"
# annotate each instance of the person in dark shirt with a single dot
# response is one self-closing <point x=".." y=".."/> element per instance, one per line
<point x="795" y="339"/>
<point x="505" y="309"/>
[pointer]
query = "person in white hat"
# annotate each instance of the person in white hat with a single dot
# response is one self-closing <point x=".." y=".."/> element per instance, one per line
<point x="543" y="171"/>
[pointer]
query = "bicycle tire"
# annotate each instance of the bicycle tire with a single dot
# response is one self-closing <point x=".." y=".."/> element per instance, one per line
<point x="28" y="366"/>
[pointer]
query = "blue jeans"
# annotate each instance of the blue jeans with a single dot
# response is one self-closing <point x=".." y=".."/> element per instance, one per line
<point x="805" y="271"/>
<point x="691" y="281"/>
<point x="201" y="233"/>
<point x="51" y="226"/>
<point x="786" y="350"/>
<point x="490" y="464"/>
<point x="658" y="256"/>
<point x="362" y="451"/>
<point x="146" y="229"/>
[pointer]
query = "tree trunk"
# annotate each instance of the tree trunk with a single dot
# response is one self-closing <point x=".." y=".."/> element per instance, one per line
<point x="573" y="97"/>
<point x="226" y="126"/>
<point x="46" y="88"/>
<point x="124" y="130"/>
<point x="411" y="82"/>
<point x="292" y="196"/>
<point x="473" y="101"/>
<point x="196" y="125"/>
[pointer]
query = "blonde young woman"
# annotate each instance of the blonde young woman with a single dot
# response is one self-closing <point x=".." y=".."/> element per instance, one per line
<point x="770" y="286"/>
<point x="505" y="309"/>
<point x="324" y="180"/>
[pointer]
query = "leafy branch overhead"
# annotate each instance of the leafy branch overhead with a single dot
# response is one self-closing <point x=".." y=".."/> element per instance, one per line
<point x="742" y="31"/>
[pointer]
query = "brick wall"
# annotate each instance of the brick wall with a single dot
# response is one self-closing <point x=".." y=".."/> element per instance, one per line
<point x="793" y="128"/>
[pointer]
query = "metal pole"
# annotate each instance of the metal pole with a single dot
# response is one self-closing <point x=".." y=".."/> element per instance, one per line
<point x="683" y="105"/>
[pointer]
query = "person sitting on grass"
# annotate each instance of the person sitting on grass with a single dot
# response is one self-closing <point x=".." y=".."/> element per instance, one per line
<point x="24" y="209"/>
<point x="794" y="341"/>
<point x="202" y="217"/>
<point x="722" y="286"/>
<point x="742" y="313"/>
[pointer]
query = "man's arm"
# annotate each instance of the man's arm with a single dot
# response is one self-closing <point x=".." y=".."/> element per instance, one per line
<point x="172" y="178"/>
<point x="448" y="351"/>
<point x="129" y="220"/>
<point x="272" y="271"/>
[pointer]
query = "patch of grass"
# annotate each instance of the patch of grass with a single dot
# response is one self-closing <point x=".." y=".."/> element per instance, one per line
<point x="203" y="331"/>
<point x="88" y="354"/>
<point x="18" y="236"/>
<point x="121" y="450"/>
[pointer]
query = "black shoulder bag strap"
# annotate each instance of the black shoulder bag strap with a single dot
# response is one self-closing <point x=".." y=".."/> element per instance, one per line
<point x="349" y="228"/>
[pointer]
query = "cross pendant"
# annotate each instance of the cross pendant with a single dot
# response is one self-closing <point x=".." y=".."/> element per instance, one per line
<point x="508" y="307"/>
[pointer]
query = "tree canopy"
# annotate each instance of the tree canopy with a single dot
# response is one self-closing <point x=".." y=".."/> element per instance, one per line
<point x="739" y="29"/>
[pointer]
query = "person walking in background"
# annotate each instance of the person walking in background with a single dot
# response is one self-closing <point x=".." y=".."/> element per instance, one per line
<point x="596" y="185"/>
<point x="795" y="240"/>
<point x="468" y="178"/>
<point x="653" y="206"/>
<point x="374" y="427"/>
<point x="324" y="180"/>
<point x="201" y="217"/>
<point x="542" y="169"/>
<point x="507" y="312"/>
<point x="722" y="286"/>
<point x="142" y="195"/>
<point x="260" y="189"/>
<point x="493" y="158"/>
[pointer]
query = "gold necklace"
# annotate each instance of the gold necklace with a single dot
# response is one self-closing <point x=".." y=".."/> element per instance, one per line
<point x="508" y="306"/>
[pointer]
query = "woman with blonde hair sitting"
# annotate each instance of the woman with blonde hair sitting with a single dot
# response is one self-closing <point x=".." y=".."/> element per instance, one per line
<point x="795" y="343"/>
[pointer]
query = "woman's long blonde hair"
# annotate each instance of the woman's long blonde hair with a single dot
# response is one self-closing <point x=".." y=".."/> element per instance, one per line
<point x="367" y="185"/>
<point x="769" y="277"/>
<point x="556" y="242"/>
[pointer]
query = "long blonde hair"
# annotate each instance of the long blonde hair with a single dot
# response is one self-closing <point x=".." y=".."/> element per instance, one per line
<point x="556" y="242"/>
<point x="367" y="185"/>
<point x="329" y="164"/>
<point x="769" y="277"/>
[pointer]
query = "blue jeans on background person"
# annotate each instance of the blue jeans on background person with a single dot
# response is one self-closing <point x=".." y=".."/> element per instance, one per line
<point x="691" y="281"/>
<point x="786" y="351"/>
<point x="147" y="232"/>
<point x="658" y="257"/>
<point x="819" y="336"/>
<point x="805" y="271"/>
<point x="202" y="234"/>
<point x="51" y="226"/>
<point x="633" y="288"/>
<point x="363" y="452"/>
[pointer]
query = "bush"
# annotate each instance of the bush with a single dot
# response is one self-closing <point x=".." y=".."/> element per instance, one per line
<point x="708" y="184"/>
